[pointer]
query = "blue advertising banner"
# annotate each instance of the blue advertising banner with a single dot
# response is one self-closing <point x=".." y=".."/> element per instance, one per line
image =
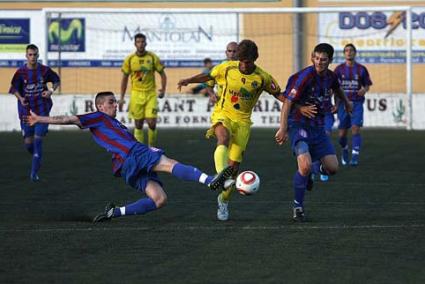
<point x="15" y="31"/>
<point x="67" y="35"/>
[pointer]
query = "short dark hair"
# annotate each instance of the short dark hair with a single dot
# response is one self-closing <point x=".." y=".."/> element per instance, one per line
<point x="31" y="46"/>
<point x="350" y="45"/>
<point x="101" y="96"/>
<point x="207" y="60"/>
<point x="325" y="48"/>
<point x="139" y="35"/>
<point x="247" y="49"/>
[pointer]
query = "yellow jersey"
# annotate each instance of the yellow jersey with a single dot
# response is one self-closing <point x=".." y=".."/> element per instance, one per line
<point x="240" y="92"/>
<point x="142" y="70"/>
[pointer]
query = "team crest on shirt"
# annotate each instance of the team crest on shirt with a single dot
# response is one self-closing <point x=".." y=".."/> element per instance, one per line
<point x="293" y="93"/>
<point x="254" y="85"/>
<point x="302" y="133"/>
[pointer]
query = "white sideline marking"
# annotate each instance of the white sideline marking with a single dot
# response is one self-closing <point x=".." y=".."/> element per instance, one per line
<point x="303" y="227"/>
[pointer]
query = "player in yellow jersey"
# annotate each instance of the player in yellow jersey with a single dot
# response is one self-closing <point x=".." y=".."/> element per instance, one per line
<point x="242" y="83"/>
<point x="141" y="67"/>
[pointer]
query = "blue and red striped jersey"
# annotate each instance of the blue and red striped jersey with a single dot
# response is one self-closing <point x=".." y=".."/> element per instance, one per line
<point x="110" y="134"/>
<point x="352" y="78"/>
<point x="30" y="83"/>
<point x="307" y="87"/>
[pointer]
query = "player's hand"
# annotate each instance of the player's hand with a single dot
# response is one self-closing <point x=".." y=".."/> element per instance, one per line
<point x="161" y="93"/>
<point x="213" y="99"/>
<point x="361" y="92"/>
<point x="334" y="109"/>
<point x="23" y="101"/>
<point x="121" y="103"/>
<point x="281" y="136"/>
<point x="47" y="93"/>
<point x="30" y="119"/>
<point x="309" y="111"/>
<point x="181" y="83"/>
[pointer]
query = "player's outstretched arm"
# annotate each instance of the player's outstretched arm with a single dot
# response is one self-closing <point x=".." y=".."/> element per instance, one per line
<point x="200" y="78"/>
<point x="61" y="119"/>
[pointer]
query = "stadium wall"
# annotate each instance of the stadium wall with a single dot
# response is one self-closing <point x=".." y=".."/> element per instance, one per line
<point x="381" y="110"/>
<point x="388" y="78"/>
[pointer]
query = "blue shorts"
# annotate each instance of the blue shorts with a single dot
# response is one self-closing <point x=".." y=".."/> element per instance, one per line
<point x="319" y="144"/>
<point x="137" y="168"/>
<point x="329" y="121"/>
<point x="39" y="129"/>
<point x="356" y="118"/>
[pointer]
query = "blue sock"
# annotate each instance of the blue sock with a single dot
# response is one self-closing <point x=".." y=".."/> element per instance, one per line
<point x="189" y="173"/>
<point x="36" y="156"/>
<point x="29" y="147"/>
<point x="141" y="206"/>
<point x="300" y="185"/>
<point x="343" y="141"/>
<point x="315" y="167"/>
<point x="357" y="142"/>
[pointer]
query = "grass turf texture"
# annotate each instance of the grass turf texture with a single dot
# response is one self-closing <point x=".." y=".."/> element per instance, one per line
<point x="367" y="223"/>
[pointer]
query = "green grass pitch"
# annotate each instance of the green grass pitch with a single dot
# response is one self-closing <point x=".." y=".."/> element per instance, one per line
<point x="367" y="223"/>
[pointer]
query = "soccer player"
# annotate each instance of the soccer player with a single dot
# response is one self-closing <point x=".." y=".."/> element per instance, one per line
<point x="30" y="86"/>
<point x="203" y="87"/>
<point x="355" y="81"/>
<point x="313" y="85"/>
<point x="135" y="162"/>
<point x="141" y="67"/>
<point x="242" y="82"/>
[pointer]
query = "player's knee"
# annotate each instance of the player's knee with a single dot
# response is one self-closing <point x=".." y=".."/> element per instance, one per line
<point x="331" y="169"/>
<point x="138" y="123"/>
<point x="161" y="200"/>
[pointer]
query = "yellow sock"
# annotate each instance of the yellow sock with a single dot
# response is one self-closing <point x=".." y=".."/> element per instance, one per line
<point x="138" y="133"/>
<point x="225" y="194"/>
<point x="221" y="157"/>
<point x="152" y="135"/>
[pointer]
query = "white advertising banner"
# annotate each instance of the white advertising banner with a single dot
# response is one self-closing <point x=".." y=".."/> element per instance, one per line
<point x="105" y="39"/>
<point x="380" y="37"/>
<point x="381" y="110"/>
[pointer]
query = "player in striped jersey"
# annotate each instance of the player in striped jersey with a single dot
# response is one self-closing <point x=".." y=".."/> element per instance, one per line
<point x="141" y="67"/>
<point x="30" y="86"/>
<point x="355" y="81"/>
<point x="137" y="163"/>
<point x="241" y="83"/>
<point x="313" y="85"/>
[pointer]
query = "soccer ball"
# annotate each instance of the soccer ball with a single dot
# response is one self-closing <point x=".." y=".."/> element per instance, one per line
<point x="247" y="183"/>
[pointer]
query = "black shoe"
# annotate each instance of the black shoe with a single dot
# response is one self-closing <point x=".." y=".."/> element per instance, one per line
<point x="310" y="182"/>
<point x="299" y="215"/>
<point x="106" y="215"/>
<point x="220" y="178"/>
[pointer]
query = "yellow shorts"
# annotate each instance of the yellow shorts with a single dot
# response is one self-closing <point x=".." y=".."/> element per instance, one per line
<point x="239" y="134"/>
<point x="143" y="105"/>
